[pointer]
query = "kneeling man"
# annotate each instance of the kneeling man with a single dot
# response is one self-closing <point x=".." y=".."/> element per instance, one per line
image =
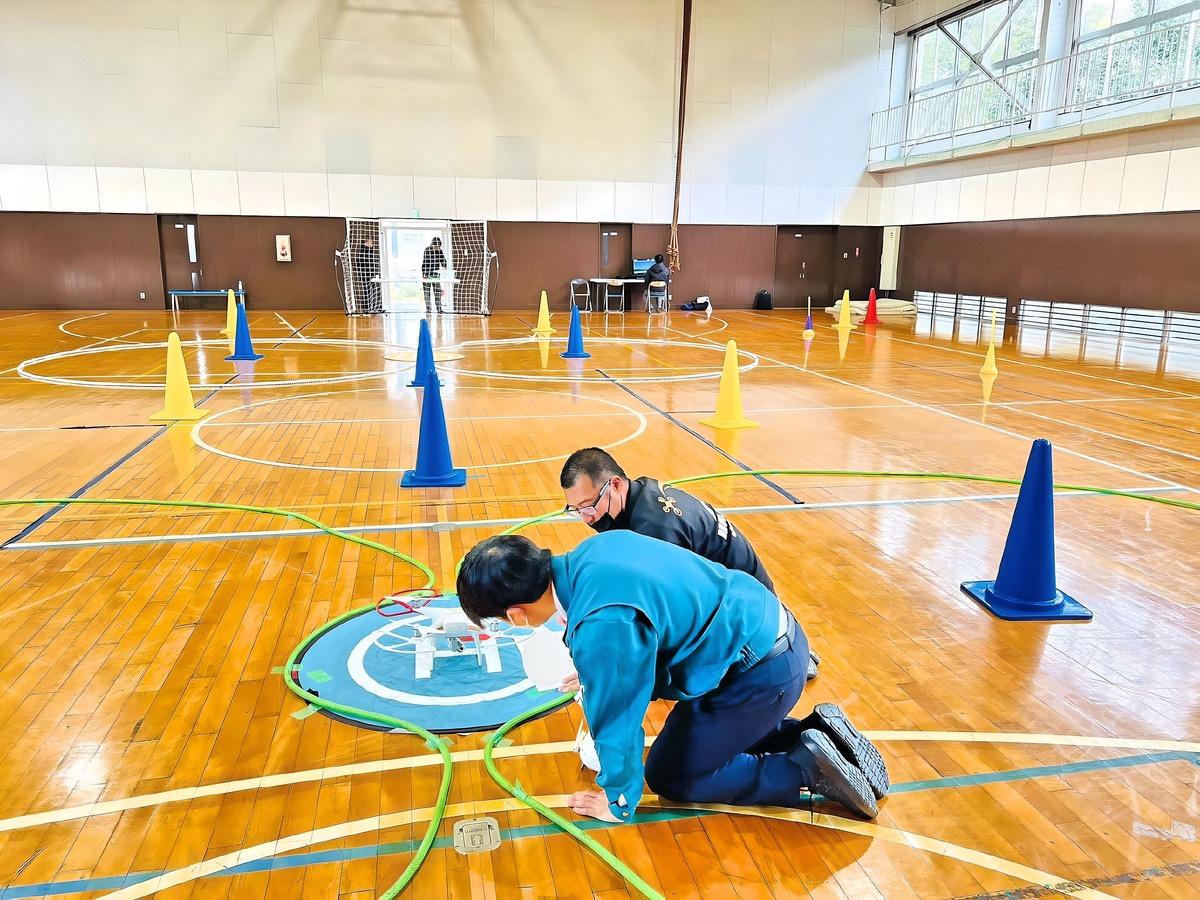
<point x="733" y="658"/>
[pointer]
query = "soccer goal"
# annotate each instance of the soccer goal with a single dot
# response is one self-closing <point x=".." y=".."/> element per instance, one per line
<point x="415" y="265"/>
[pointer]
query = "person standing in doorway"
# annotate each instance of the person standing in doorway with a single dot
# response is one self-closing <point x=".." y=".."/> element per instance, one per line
<point x="432" y="263"/>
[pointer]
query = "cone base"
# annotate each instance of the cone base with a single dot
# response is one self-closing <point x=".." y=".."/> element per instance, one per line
<point x="544" y="334"/>
<point x="728" y="424"/>
<point x="225" y="332"/>
<point x="421" y="384"/>
<point x="195" y="415"/>
<point x="580" y="355"/>
<point x="1064" y="609"/>
<point x="453" y="478"/>
<point x="249" y="357"/>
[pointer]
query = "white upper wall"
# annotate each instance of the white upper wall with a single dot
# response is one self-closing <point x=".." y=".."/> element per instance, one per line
<point x="515" y="109"/>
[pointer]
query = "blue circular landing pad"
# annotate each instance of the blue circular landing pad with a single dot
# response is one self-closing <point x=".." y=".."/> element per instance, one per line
<point x="404" y="667"/>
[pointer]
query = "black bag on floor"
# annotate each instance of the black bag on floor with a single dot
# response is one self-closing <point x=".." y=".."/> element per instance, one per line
<point x="762" y="300"/>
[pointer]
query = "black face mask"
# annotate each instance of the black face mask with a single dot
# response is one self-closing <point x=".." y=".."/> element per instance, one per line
<point x="605" y="523"/>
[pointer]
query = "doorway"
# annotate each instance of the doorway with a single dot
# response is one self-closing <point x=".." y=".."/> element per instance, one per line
<point x="403" y="244"/>
<point x="803" y="265"/>
<point x="179" y="246"/>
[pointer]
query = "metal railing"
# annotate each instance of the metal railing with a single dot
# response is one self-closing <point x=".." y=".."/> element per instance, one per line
<point x="1093" y="82"/>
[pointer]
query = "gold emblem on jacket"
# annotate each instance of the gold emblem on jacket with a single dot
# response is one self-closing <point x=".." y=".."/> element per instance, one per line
<point x="669" y="505"/>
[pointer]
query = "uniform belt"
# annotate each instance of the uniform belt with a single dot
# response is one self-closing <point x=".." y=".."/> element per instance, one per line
<point x="787" y="636"/>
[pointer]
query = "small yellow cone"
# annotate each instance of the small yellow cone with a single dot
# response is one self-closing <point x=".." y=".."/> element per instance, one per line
<point x="230" y="328"/>
<point x="729" y="395"/>
<point x="179" y="405"/>
<point x="988" y="373"/>
<point x="808" y="334"/>
<point x="844" y="326"/>
<point x="544" y="328"/>
<point x="844" y="314"/>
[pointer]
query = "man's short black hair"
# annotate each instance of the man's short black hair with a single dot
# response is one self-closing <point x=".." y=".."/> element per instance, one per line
<point x="593" y="462"/>
<point x="658" y="257"/>
<point x="499" y="572"/>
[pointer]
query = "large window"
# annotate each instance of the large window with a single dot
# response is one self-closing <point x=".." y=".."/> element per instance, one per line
<point x="1128" y="49"/>
<point x="976" y="68"/>
<point x="990" y="40"/>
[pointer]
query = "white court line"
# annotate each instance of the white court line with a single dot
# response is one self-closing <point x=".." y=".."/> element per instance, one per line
<point x="295" y="330"/>
<point x="1006" y="432"/>
<point x="557" y="520"/>
<point x="998" y="430"/>
<point x="200" y="442"/>
<point x="1019" y="362"/>
<point x="1115" y="437"/>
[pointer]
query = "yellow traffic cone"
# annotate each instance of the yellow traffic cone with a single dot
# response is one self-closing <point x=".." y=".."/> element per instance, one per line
<point x="543" y="328"/>
<point x="729" y="395"/>
<point x="179" y="405"/>
<point x="844" y="326"/>
<point x="230" y="328"/>
<point x="988" y="372"/>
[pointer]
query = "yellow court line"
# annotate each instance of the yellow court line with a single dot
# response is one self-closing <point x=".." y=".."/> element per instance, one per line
<point x="285" y="779"/>
<point x="1065" y="886"/>
<point x="269" y="849"/>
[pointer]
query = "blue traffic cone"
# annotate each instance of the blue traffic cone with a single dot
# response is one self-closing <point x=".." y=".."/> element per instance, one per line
<point x="425" y="363"/>
<point x="1025" y="589"/>
<point x="434" y="468"/>
<point x="575" y="338"/>
<point x="243" y="349"/>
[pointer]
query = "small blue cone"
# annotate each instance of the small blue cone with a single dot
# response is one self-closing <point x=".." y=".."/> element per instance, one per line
<point x="425" y="363"/>
<point x="575" y="338"/>
<point x="434" y="468"/>
<point x="242" y="348"/>
<point x="1025" y="589"/>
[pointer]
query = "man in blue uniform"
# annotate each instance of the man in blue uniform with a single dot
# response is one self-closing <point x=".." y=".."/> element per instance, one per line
<point x="598" y="491"/>
<point x="731" y="656"/>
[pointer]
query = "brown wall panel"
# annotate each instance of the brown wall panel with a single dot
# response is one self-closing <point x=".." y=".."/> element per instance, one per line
<point x="79" y="261"/>
<point x="730" y="263"/>
<point x="856" y="253"/>
<point x="1146" y="261"/>
<point x="541" y="256"/>
<point x="242" y="248"/>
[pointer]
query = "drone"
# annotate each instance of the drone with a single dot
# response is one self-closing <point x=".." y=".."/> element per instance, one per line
<point x="445" y="634"/>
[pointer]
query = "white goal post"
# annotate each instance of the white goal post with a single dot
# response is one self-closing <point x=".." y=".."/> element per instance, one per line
<point x="394" y="265"/>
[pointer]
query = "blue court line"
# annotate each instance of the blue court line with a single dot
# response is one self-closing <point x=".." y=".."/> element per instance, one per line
<point x="13" y="542"/>
<point x="55" y="510"/>
<point x="670" y="418"/>
<point x="299" y="860"/>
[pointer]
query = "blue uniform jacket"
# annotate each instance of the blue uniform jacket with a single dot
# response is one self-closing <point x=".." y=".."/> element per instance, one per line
<point x="649" y="620"/>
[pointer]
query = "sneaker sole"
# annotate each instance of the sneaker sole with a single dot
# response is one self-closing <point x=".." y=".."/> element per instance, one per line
<point x="838" y="780"/>
<point x="856" y="748"/>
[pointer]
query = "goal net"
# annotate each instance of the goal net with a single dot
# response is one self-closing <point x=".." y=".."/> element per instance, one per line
<point x="415" y="265"/>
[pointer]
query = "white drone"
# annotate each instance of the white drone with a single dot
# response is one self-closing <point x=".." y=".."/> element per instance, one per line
<point x="442" y="634"/>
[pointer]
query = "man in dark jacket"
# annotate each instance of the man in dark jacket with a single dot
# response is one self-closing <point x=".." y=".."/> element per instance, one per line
<point x="600" y="493"/>
<point x="432" y="263"/>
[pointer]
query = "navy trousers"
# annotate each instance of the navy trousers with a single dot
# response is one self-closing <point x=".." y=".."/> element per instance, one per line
<point x="728" y="746"/>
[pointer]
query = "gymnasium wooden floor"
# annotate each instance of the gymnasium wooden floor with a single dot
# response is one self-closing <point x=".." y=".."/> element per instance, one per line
<point x="145" y="730"/>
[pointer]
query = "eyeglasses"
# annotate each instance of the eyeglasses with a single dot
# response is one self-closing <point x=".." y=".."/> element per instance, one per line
<point x="589" y="510"/>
